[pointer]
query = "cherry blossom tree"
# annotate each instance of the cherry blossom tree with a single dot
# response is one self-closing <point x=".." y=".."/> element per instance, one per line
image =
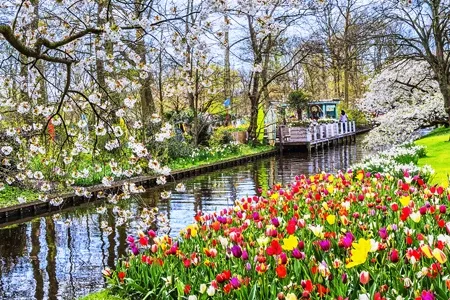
<point x="404" y="97"/>
<point x="76" y="104"/>
<point x="423" y="35"/>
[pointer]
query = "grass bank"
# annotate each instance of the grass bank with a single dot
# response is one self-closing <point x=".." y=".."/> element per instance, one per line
<point x="438" y="153"/>
<point x="9" y="195"/>
<point x="101" y="295"/>
<point x="243" y="150"/>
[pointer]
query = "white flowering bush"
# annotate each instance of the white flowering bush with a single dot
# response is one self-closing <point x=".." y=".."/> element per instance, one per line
<point x="400" y="161"/>
<point x="404" y="98"/>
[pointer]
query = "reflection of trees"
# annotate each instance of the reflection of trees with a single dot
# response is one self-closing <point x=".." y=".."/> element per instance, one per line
<point x="13" y="246"/>
<point x="50" y="238"/>
<point x="261" y="175"/>
<point x="34" y="256"/>
<point x="111" y="239"/>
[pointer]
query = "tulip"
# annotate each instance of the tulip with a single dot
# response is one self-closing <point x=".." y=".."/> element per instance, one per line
<point x="275" y="222"/>
<point x="237" y="251"/>
<point x="235" y="283"/>
<point x="211" y="291"/>
<point x="244" y="255"/>
<point x="301" y="244"/>
<point x="364" y="277"/>
<point x="427" y="295"/>
<point x="325" y="245"/>
<point x="439" y="255"/>
<point x="291" y="296"/>
<point x="331" y="219"/>
<point x="393" y="256"/>
<point x="426" y="250"/>
<point x="296" y="253"/>
<point x="383" y="233"/>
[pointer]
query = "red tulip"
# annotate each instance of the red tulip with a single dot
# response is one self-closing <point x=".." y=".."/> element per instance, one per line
<point x="393" y="256"/>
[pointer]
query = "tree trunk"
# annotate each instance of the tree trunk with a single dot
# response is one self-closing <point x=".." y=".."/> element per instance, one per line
<point x="160" y="80"/>
<point x="147" y="103"/>
<point x="99" y="63"/>
<point x="444" y="86"/>
<point x="190" y="95"/>
<point x="227" y="77"/>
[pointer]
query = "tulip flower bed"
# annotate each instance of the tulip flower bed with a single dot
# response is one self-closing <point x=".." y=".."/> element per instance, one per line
<point x="351" y="235"/>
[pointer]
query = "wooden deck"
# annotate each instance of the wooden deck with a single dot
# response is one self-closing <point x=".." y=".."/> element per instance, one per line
<point x="315" y="136"/>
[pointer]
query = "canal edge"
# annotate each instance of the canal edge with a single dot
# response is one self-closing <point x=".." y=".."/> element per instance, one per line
<point x="26" y="211"/>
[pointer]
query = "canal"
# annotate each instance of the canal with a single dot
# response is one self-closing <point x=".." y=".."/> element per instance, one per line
<point x="62" y="256"/>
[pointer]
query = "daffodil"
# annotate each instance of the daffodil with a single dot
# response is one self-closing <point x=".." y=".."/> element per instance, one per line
<point x="360" y="252"/>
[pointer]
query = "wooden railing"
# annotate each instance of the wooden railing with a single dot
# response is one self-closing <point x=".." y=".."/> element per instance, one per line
<point x="315" y="133"/>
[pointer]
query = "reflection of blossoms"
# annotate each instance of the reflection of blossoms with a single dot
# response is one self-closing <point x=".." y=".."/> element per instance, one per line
<point x="166" y="195"/>
<point x="161" y="180"/>
<point x="180" y="188"/>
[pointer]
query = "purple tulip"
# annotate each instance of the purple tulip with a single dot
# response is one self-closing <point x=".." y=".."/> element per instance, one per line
<point x="383" y="233"/>
<point x="283" y="258"/>
<point x="325" y="245"/>
<point x="348" y="240"/>
<point x="297" y="254"/>
<point x="134" y="249"/>
<point x="427" y="295"/>
<point x="237" y="251"/>
<point x="275" y="222"/>
<point x="235" y="283"/>
<point x="248" y="266"/>
<point x="244" y="255"/>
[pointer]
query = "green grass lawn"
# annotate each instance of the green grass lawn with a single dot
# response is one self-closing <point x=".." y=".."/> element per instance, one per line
<point x="438" y="153"/>
<point x="101" y="295"/>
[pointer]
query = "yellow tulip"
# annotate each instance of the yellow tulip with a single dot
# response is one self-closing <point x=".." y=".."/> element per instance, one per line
<point x="426" y="250"/>
<point x="290" y="243"/>
<point x="331" y="219"/>
<point x="404" y="200"/>
<point x="330" y="189"/>
<point x="439" y="255"/>
<point x="359" y="252"/>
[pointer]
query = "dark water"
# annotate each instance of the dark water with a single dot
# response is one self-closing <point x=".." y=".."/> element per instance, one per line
<point x="62" y="258"/>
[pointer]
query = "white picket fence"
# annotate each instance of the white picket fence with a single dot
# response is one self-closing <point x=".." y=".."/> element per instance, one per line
<point x="316" y="133"/>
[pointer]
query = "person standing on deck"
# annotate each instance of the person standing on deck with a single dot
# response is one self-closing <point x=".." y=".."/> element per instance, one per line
<point x="343" y="119"/>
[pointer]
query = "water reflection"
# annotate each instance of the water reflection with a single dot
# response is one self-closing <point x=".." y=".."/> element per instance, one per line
<point x="63" y="259"/>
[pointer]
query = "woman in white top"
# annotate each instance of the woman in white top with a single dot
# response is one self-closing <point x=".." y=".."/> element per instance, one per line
<point x="343" y="119"/>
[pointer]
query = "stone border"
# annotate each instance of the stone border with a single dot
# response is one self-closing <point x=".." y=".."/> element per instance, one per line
<point x="27" y="211"/>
